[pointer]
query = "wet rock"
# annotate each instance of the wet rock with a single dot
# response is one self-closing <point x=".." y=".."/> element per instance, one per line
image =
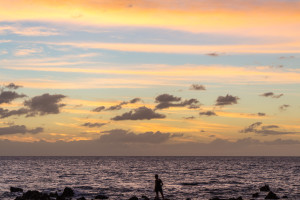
<point x="101" y="196"/>
<point x="265" y="188"/>
<point x="134" y="198"/>
<point x="145" y="198"/>
<point x="33" y="195"/>
<point x="255" y="195"/>
<point x="53" y="194"/>
<point x="81" y="198"/>
<point x="16" y="189"/>
<point x="68" y="192"/>
<point x="271" y="195"/>
<point x="60" y="198"/>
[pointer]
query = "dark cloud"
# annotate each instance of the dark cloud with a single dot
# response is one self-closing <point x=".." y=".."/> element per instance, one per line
<point x="12" y="86"/>
<point x="167" y="101"/>
<point x="265" y="130"/>
<point x="140" y="113"/>
<point x="208" y="113"/>
<point x="7" y="113"/>
<point x="261" y="114"/>
<point x="92" y="125"/>
<point x="124" y="136"/>
<point x="197" y="87"/>
<point x="282" y="142"/>
<point x="284" y="107"/>
<point x="218" y="147"/>
<point x="271" y="94"/>
<point x="135" y="100"/>
<point x="227" y="100"/>
<point x="15" y="129"/>
<point x="251" y="128"/>
<point x="116" y="107"/>
<point x="98" y="109"/>
<point x="167" y="98"/>
<point x="45" y="104"/>
<point x="191" y="117"/>
<point x="9" y="96"/>
<point x="214" y="54"/>
<point x="286" y="57"/>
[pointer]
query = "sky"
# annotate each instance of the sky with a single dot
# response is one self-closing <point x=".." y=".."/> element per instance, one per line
<point x="150" y="77"/>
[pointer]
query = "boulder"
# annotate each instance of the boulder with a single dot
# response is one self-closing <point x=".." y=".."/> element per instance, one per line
<point x="145" y="198"/>
<point x="134" y="198"/>
<point x="68" y="192"/>
<point x="101" y="196"/>
<point x="271" y="195"/>
<point x="255" y="195"/>
<point x="16" y="189"/>
<point x="265" y="188"/>
<point x="33" y="195"/>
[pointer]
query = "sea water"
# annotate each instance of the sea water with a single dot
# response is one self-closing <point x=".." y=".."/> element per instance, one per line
<point x="123" y="177"/>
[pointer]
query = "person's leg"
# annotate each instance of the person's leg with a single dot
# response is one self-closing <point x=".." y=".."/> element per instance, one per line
<point x="156" y="191"/>
<point x="162" y="194"/>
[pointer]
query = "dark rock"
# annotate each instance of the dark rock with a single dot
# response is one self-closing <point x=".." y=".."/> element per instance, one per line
<point x="271" y="195"/>
<point x="101" y="196"/>
<point x="145" y="198"/>
<point x="134" y="198"/>
<point x="81" y="198"/>
<point x="285" y="197"/>
<point x="53" y="194"/>
<point x="265" y="188"/>
<point x="255" y="195"/>
<point x="215" y="198"/>
<point x="68" y="192"/>
<point x="15" y="189"/>
<point x="33" y="195"/>
<point x="60" y="198"/>
<point x="188" y="198"/>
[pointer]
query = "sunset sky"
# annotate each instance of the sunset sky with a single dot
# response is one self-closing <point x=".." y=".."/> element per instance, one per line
<point x="150" y="77"/>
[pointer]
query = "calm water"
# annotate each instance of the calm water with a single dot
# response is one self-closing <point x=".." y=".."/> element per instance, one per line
<point x="123" y="177"/>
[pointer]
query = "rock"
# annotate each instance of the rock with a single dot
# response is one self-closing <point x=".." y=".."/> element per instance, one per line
<point x="60" y="198"/>
<point x="265" y="188"/>
<point x="68" y="192"/>
<point x="53" y="194"/>
<point x="285" y="197"/>
<point x="255" y="195"/>
<point x="33" y="195"/>
<point x="145" y="198"/>
<point x="215" y="198"/>
<point x="15" y="189"/>
<point x="271" y="195"/>
<point x="188" y="198"/>
<point x="134" y="198"/>
<point x="101" y="196"/>
<point x="81" y="198"/>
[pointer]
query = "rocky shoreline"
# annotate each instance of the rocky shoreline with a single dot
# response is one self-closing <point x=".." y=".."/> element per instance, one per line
<point x="68" y="194"/>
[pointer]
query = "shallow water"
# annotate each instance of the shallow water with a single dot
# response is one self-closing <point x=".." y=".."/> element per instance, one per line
<point x="123" y="177"/>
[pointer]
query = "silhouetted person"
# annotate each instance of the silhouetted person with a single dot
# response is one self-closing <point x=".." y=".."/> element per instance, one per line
<point x="158" y="187"/>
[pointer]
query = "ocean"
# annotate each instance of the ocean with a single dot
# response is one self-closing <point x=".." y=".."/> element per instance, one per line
<point x="123" y="177"/>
